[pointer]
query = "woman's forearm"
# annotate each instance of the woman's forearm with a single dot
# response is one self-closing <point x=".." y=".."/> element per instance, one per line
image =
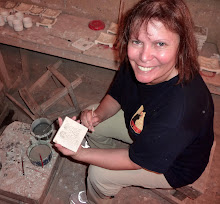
<point x="107" y="108"/>
<point x="114" y="159"/>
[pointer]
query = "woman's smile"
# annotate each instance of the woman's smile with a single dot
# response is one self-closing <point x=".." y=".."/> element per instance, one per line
<point x="145" y="69"/>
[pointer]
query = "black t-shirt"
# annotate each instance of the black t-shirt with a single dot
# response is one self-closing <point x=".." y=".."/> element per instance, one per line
<point x="171" y="125"/>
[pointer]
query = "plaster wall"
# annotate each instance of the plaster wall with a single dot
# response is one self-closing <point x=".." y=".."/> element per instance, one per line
<point x="204" y="12"/>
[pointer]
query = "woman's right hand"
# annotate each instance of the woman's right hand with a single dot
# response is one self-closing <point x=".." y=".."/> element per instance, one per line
<point x="90" y="119"/>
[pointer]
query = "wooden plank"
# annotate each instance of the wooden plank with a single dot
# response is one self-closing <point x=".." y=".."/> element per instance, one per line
<point x="73" y="97"/>
<point x="4" y="73"/>
<point x="59" y="85"/>
<point x="33" y="117"/>
<point x="30" y="102"/>
<point x="179" y="195"/>
<point x="1" y="86"/>
<point x="59" y="76"/>
<point x="4" y="110"/>
<point x="55" y="170"/>
<point x="55" y="180"/>
<point x="121" y="11"/>
<point x="189" y="192"/>
<point x="8" y="200"/>
<point x="73" y="85"/>
<point x="25" y="62"/>
<point x="43" y="79"/>
<point x="16" y="83"/>
<point x="4" y="113"/>
<point x="167" y="195"/>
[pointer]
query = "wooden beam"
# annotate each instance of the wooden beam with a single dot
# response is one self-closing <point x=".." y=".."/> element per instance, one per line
<point x="30" y="102"/>
<point x="121" y="10"/>
<point x="165" y="194"/>
<point x="25" y="62"/>
<point x="33" y="117"/>
<point x="189" y="192"/>
<point x="4" y="73"/>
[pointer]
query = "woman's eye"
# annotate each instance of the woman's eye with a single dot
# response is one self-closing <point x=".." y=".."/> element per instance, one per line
<point x="136" y="42"/>
<point x="161" y="44"/>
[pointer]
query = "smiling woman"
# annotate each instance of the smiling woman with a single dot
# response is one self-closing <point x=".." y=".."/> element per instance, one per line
<point x="178" y="22"/>
<point x="154" y="128"/>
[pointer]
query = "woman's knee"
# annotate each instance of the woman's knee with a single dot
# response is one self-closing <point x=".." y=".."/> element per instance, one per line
<point x="99" y="178"/>
<point x="96" y="175"/>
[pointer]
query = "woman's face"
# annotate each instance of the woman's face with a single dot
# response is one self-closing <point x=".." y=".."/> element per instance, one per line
<point x="152" y="53"/>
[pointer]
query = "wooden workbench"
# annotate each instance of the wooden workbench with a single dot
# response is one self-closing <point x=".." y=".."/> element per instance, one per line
<point x="57" y="41"/>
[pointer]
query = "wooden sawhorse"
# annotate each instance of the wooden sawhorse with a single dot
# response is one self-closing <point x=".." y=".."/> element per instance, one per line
<point x="39" y="110"/>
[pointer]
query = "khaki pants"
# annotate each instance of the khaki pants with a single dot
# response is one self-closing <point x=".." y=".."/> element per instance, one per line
<point x="102" y="183"/>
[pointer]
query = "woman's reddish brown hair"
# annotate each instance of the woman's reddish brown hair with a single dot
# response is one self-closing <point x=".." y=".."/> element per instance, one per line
<point x="175" y="16"/>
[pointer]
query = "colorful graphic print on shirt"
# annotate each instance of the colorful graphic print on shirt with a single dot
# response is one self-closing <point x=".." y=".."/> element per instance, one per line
<point x="137" y="121"/>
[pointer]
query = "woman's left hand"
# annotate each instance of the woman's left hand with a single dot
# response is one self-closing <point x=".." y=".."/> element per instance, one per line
<point x="62" y="149"/>
<point x="66" y="151"/>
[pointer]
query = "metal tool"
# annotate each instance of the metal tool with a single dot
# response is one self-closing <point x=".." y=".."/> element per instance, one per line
<point x="49" y="126"/>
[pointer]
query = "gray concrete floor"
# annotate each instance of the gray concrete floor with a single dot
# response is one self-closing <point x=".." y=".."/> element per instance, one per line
<point x="71" y="175"/>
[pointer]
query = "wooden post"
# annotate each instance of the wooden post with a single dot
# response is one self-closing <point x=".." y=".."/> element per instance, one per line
<point x="4" y="73"/>
<point x="121" y="9"/>
<point x="33" y="117"/>
<point x="3" y="106"/>
<point x="25" y="63"/>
